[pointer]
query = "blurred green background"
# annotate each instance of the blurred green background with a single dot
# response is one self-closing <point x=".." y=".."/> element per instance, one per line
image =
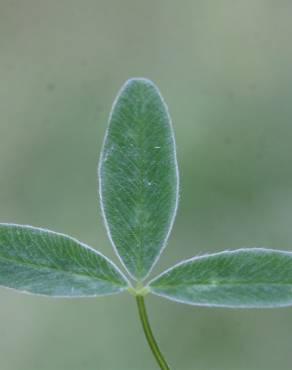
<point x="225" y="70"/>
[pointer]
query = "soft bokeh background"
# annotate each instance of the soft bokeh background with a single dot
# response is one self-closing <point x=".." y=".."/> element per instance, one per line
<point x="225" y="69"/>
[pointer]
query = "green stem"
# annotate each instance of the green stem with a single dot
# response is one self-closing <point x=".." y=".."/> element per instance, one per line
<point x="149" y="335"/>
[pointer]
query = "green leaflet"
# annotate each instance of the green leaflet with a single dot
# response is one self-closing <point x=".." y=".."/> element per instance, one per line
<point x="44" y="262"/>
<point x="138" y="176"/>
<point x="242" y="278"/>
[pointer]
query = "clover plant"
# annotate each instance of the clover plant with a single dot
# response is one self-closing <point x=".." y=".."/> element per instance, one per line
<point x="138" y="187"/>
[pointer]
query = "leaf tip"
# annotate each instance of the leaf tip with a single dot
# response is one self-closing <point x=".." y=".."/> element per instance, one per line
<point x="138" y="83"/>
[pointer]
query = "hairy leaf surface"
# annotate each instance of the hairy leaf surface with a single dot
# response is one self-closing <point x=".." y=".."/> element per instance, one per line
<point x="138" y="176"/>
<point x="242" y="278"/>
<point x="44" y="262"/>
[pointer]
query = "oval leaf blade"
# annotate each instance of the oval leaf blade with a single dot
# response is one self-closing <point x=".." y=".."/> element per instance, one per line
<point x="43" y="262"/>
<point x="138" y="176"/>
<point x="245" y="278"/>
